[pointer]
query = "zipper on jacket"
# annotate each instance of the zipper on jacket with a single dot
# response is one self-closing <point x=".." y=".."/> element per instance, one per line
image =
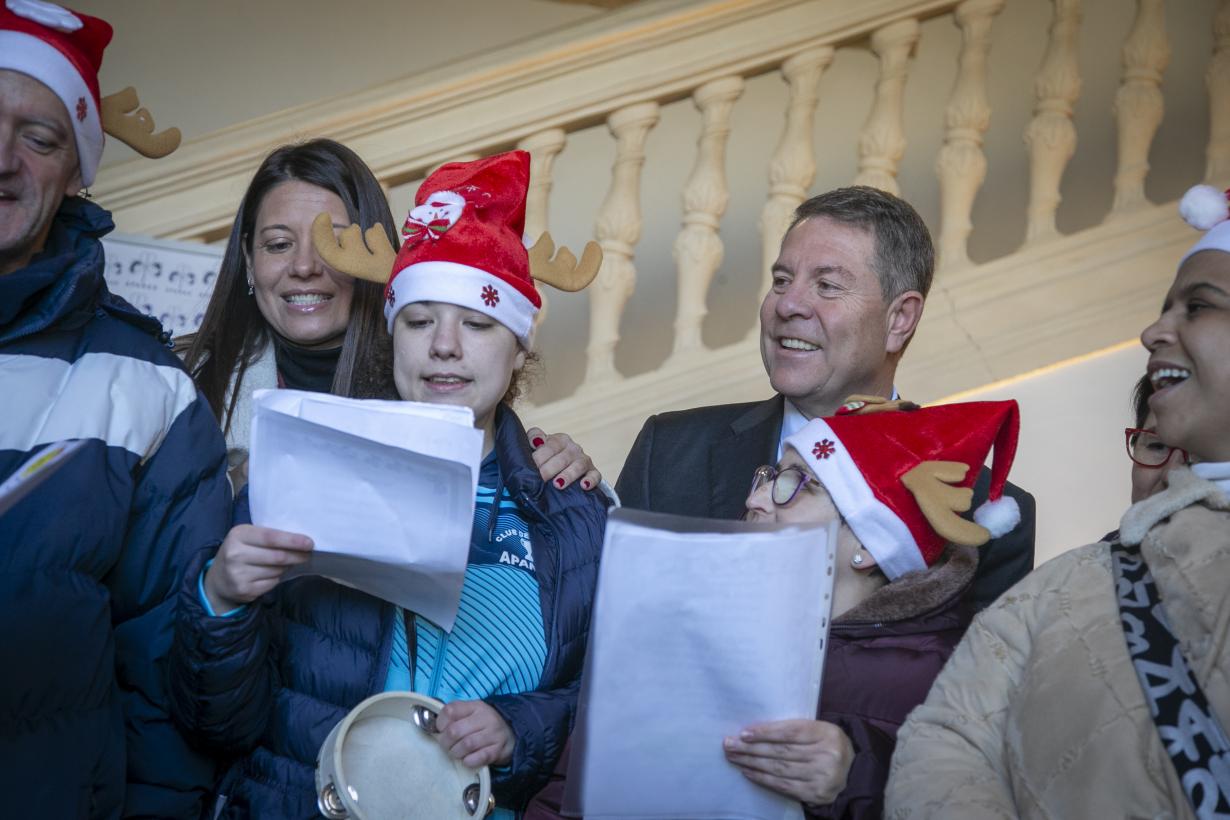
<point x="552" y="537"/>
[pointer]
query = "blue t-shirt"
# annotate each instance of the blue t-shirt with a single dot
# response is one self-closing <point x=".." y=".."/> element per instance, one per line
<point x="497" y="645"/>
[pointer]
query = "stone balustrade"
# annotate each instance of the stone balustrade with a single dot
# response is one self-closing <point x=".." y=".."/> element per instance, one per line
<point x="1050" y="298"/>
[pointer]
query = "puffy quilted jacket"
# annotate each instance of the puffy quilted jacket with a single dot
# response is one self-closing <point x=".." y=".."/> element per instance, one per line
<point x="91" y="558"/>
<point x="267" y="684"/>
<point x="1040" y="712"/>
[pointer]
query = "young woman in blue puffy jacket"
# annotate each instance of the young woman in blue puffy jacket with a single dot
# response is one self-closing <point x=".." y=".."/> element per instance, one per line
<point x="262" y="670"/>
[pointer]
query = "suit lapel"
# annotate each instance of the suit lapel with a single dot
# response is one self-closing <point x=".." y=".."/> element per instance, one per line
<point x="750" y="442"/>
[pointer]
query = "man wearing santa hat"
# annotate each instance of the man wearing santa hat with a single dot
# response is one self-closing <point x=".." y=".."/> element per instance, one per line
<point x="848" y="290"/>
<point x="112" y="467"/>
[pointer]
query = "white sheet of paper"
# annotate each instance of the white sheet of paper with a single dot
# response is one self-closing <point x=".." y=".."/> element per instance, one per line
<point x="384" y="489"/>
<point x="700" y="629"/>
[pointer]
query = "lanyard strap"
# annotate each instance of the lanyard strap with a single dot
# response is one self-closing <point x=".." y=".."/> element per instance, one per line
<point x="1189" y="730"/>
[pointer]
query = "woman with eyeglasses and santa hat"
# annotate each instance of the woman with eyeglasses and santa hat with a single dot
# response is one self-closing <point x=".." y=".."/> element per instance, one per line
<point x="897" y="477"/>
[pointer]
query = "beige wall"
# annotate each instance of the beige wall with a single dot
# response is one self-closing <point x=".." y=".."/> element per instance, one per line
<point x="1018" y="41"/>
<point x="206" y="65"/>
<point x="203" y="66"/>
<point x="1071" y="453"/>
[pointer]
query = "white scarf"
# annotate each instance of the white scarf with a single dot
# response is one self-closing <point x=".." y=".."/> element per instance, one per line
<point x="1217" y="472"/>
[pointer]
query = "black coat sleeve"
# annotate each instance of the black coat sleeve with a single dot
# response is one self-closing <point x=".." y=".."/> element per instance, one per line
<point x="1005" y="560"/>
<point x="222" y="671"/>
<point x="633" y="483"/>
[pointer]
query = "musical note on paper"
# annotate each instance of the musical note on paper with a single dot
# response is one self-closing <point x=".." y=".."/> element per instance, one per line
<point x="171" y="281"/>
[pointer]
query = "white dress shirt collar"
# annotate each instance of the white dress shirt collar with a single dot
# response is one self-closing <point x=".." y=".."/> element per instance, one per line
<point x="793" y="421"/>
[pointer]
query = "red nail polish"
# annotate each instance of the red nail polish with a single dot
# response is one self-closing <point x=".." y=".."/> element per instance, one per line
<point x="559" y="482"/>
<point x="538" y="442"/>
<point x="585" y="484"/>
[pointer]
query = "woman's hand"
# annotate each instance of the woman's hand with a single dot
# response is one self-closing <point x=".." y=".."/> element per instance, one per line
<point x="807" y="760"/>
<point x="250" y="562"/>
<point x="561" y="460"/>
<point x="474" y="733"/>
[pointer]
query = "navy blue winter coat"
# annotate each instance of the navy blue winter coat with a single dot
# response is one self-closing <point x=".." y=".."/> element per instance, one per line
<point x="91" y="559"/>
<point x="267" y="684"/>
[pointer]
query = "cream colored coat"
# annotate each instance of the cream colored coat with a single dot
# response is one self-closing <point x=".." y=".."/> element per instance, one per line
<point x="1039" y="713"/>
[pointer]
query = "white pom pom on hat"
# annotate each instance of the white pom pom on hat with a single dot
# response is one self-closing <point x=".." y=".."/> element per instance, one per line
<point x="1208" y="209"/>
<point x="1203" y="206"/>
<point x="998" y="517"/>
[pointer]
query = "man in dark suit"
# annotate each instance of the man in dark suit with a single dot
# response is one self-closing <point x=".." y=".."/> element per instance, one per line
<point x="848" y="290"/>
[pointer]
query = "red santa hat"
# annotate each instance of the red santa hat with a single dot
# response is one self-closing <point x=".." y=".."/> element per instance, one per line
<point x="462" y="244"/>
<point x="901" y="477"/>
<point x="1207" y="209"/>
<point x="63" y="50"/>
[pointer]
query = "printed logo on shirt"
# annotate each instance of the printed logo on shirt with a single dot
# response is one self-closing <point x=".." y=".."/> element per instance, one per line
<point x="515" y="547"/>
<point x="505" y="541"/>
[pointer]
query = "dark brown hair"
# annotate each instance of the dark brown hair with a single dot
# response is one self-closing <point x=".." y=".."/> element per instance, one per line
<point x="233" y="332"/>
<point x="1140" y="399"/>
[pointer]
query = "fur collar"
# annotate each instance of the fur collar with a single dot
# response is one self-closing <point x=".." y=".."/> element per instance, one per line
<point x="1183" y="489"/>
<point x="918" y="592"/>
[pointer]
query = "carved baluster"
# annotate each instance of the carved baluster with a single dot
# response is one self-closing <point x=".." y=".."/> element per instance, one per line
<point x="1217" y="79"/>
<point x="618" y="228"/>
<point x="544" y="147"/>
<point x="793" y="166"/>
<point x="882" y="142"/>
<point x="698" y="248"/>
<point x="1138" y="104"/>
<point x="1051" y="137"/>
<point x="961" y="165"/>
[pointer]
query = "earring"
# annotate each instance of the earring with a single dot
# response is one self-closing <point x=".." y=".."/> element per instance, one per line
<point x="857" y="560"/>
<point x="251" y="290"/>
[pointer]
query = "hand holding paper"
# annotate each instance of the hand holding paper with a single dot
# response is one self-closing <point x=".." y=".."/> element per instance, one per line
<point x="251" y="562"/>
<point x="701" y="630"/>
<point x="808" y="760"/>
<point x="384" y="489"/>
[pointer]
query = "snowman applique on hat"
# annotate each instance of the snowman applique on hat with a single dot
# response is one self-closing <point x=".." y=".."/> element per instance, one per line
<point x="463" y="243"/>
<point x="63" y="50"/>
<point x="901" y="475"/>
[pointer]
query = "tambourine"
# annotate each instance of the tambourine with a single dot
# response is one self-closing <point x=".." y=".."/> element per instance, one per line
<point x="381" y="762"/>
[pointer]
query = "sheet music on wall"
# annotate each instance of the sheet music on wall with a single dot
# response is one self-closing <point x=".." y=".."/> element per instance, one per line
<point x="169" y="280"/>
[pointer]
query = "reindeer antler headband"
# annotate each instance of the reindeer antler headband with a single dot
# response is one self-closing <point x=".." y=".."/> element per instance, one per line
<point x="63" y="50"/>
<point x="125" y="119"/>
<point x="369" y="255"/>
<point x="462" y="244"/>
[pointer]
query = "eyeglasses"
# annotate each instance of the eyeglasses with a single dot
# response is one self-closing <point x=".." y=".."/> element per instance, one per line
<point x="1147" y="450"/>
<point x="786" y="482"/>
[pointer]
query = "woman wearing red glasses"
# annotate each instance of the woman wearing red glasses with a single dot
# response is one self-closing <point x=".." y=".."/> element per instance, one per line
<point x="1099" y="686"/>
<point x="1152" y="459"/>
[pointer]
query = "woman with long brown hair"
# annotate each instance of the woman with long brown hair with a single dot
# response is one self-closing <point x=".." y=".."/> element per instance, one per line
<point x="280" y="317"/>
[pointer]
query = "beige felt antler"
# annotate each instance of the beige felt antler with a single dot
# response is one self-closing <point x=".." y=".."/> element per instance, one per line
<point x="563" y="271"/>
<point x="348" y="253"/>
<point x="125" y="119"/>
<point x="931" y="484"/>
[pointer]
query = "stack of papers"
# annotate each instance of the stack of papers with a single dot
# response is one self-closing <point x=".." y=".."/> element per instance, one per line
<point x="385" y="489"/>
<point x="700" y="629"/>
